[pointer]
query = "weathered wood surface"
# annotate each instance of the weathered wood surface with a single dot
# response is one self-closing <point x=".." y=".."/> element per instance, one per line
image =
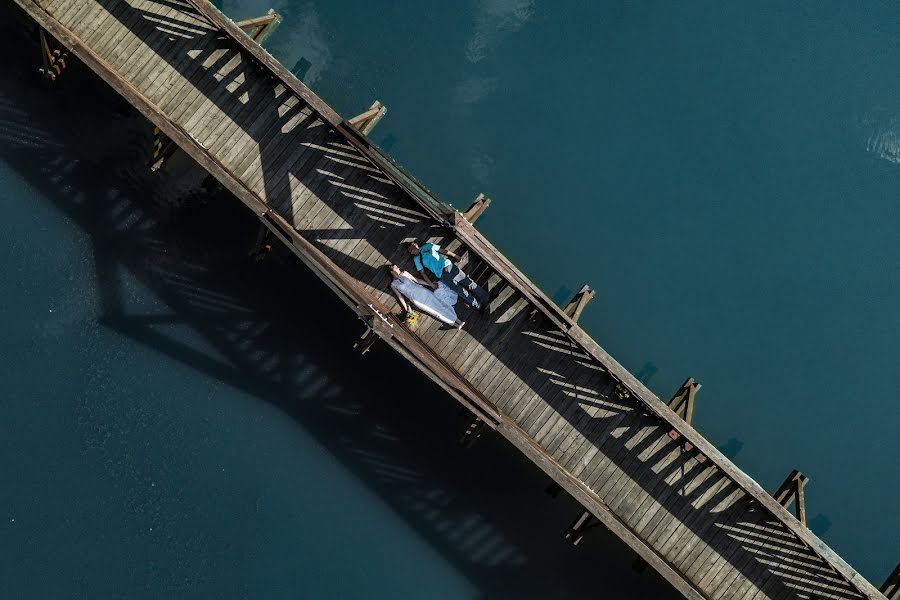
<point x="526" y="368"/>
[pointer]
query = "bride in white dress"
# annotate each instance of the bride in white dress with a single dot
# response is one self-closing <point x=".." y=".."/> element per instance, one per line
<point x="438" y="303"/>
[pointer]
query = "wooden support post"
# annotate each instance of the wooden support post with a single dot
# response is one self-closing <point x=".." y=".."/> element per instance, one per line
<point x="261" y="27"/>
<point x="792" y="490"/>
<point x="163" y="148"/>
<point x="478" y="206"/>
<point x="583" y="522"/>
<point x="578" y="302"/>
<point x="682" y="403"/>
<point x="553" y="489"/>
<point x="53" y="60"/>
<point x="473" y="431"/>
<point x="261" y="249"/>
<point x="366" y="122"/>
<point x="366" y="340"/>
<point x="891" y="586"/>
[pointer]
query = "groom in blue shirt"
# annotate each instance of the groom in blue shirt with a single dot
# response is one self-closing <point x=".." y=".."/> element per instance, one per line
<point x="432" y="259"/>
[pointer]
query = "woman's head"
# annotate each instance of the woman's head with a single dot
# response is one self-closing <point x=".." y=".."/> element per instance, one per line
<point x="394" y="270"/>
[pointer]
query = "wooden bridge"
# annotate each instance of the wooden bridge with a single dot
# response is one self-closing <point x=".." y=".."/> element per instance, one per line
<point x="525" y="369"/>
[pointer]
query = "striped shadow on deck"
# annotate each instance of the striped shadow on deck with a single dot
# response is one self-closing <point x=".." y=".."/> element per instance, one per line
<point x="525" y="368"/>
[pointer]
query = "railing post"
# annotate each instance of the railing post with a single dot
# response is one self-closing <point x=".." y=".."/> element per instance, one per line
<point x="891" y="586"/>
<point x="478" y="206"/>
<point x="366" y="340"/>
<point x="578" y="302"/>
<point x="792" y="491"/>
<point x="262" y="27"/>
<point x="365" y="122"/>
<point x="261" y="248"/>
<point x="473" y="431"/>
<point x="582" y="523"/>
<point x="163" y="148"/>
<point x="682" y="403"/>
<point x="54" y="61"/>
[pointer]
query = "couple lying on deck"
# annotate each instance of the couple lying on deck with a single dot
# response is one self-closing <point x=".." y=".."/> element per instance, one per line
<point x="436" y="299"/>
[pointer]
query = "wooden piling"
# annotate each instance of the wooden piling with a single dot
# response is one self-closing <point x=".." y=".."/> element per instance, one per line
<point x="478" y="206"/>
<point x="366" y="121"/>
<point x="260" y="28"/>
<point x="891" y="586"/>
<point x="576" y="305"/>
<point x="791" y="491"/>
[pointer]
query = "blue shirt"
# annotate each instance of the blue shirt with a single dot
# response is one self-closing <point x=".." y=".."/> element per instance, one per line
<point x="433" y="261"/>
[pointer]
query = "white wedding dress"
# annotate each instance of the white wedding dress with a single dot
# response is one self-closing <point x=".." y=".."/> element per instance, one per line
<point x="437" y="303"/>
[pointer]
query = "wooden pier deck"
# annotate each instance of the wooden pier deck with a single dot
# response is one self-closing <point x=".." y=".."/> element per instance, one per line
<point x="525" y="369"/>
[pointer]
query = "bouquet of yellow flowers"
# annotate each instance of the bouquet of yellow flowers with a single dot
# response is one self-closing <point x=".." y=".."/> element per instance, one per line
<point x="412" y="317"/>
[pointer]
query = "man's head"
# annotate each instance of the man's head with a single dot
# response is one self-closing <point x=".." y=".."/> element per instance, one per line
<point x="413" y="248"/>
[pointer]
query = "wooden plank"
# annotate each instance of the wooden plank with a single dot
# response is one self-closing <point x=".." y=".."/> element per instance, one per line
<point x="257" y="21"/>
<point x="309" y="178"/>
<point x="217" y="18"/>
<point x="197" y="77"/>
<point x="605" y="475"/>
<point x="140" y="66"/>
<point x="549" y="397"/>
<point x="219" y="119"/>
<point x="273" y="142"/>
<point x="589" y="501"/>
<point x="80" y="16"/>
<point x="584" y="455"/>
<point x="556" y="398"/>
<point x="564" y="447"/>
<point x="101" y="30"/>
<point x="712" y="548"/>
<point x="224" y="105"/>
<point x="324" y="202"/>
<point x="579" y="419"/>
<point x="279" y="156"/>
<point x="680" y="533"/>
<point x="74" y="14"/>
<point x="127" y="36"/>
<point x="367" y="193"/>
<point x="605" y="442"/>
<point x="312" y="167"/>
<point x="633" y="486"/>
<point x="746" y="572"/>
<point x="241" y="132"/>
<point x="208" y="86"/>
<point x="182" y="61"/>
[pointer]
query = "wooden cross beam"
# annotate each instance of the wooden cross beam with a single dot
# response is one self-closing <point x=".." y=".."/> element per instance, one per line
<point x="366" y="122"/>
<point x="163" y="148"/>
<point x="792" y="490"/>
<point x="54" y="60"/>
<point x="260" y="28"/>
<point x="578" y="302"/>
<point x="366" y="340"/>
<point x="261" y="248"/>
<point x="684" y="399"/>
<point x="478" y="206"/>
<point x="682" y="403"/>
<point x="473" y="431"/>
<point x="583" y="522"/>
<point x="891" y="586"/>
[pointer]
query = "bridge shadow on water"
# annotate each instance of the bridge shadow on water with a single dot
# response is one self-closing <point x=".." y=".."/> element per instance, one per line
<point x="286" y="341"/>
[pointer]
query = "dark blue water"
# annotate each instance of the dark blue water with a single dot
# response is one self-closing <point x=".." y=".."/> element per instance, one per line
<point x="179" y="420"/>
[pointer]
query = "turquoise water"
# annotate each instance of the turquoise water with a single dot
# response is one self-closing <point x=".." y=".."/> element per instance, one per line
<point x="725" y="175"/>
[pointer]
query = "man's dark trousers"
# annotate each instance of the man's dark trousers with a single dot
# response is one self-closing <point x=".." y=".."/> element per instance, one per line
<point x="470" y="292"/>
